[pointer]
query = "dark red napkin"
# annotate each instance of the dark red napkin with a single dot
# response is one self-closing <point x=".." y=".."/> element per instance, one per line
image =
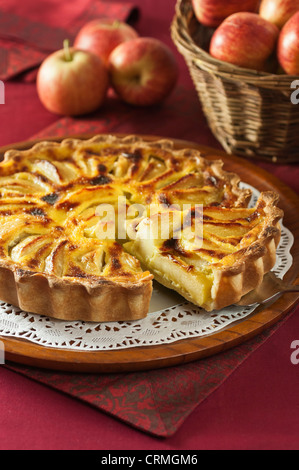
<point x="25" y="42"/>
<point x="158" y="401"/>
<point x="175" y="113"/>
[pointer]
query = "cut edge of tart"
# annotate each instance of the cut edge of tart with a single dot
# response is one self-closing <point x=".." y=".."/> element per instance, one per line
<point x="51" y="261"/>
<point x="224" y="268"/>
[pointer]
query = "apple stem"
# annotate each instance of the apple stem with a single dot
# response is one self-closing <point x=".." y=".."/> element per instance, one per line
<point x="67" y="52"/>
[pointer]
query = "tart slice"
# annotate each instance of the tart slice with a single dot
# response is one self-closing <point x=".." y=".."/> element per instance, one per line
<point x="215" y="265"/>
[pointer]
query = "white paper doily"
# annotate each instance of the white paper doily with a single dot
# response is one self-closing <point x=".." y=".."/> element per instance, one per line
<point x="170" y="319"/>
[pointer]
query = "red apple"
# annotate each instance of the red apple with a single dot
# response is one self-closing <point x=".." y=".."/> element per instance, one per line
<point x="101" y="36"/>
<point x="278" y="11"/>
<point x="213" y="12"/>
<point x="143" y="71"/>
<point x="72" y="82"/>
<point x="288" y="46"/>
<point x="245" y="40"/>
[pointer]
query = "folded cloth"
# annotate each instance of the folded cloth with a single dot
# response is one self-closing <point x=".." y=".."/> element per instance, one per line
<point x="156" y="402"/>
<point x="114" y="116"/>
<point x="24" y="43"/>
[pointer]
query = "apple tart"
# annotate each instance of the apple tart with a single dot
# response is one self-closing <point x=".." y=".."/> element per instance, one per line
<point x="74" y="246"/>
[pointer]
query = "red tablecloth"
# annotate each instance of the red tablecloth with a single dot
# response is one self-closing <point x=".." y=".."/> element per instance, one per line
<point x="257" y="406"/>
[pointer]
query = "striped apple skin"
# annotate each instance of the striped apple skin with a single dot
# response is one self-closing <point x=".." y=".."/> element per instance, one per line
<point x="212" y="12"/>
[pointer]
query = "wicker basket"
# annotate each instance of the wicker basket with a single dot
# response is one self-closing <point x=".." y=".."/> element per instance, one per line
<point x="249" y="112"/>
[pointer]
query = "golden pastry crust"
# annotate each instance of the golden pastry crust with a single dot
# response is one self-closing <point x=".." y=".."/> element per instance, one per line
<point x="53" y="262"/>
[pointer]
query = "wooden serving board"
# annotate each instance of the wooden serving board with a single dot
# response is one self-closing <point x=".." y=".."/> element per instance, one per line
<point x="153" y="357"/>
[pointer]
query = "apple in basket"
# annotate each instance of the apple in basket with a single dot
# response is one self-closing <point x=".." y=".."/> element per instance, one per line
<point x="278" y="11"/>
<point x="244" y="39"/>
<point x="288" y="46"/>
<point x="72" y="82"/>
<point x="212" y="12"/>
<point x="102" y="35"/>
<point x="143" y="71"/>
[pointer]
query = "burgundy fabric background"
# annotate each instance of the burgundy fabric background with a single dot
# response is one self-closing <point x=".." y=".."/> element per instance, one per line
<point x="256" y="406"/>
